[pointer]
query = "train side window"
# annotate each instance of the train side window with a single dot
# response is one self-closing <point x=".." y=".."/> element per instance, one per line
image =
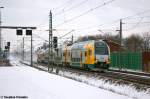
<point x="85" y="54"/>
<point x="57" y="52"/>
<point x="70" y="54"/>
<point x="63" y="54"/>
<point x="90" y="52"/>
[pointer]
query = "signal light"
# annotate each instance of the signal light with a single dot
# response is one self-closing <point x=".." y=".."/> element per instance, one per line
<point x="55" y="39"/>
<point x="28" y="32"/>
<point x="7" y="47"/>
<point x="8" y="43"/>
<point x="19" y="32"/>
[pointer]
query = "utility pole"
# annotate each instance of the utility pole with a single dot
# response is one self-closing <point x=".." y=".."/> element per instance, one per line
<point x="31" y="52"/>
<point x="23" y="49"/>
<point x="72" y="39"/>
<point x="0" y="29"/>
<point x="120" y="31"/>
<point x="50" y="52"/>
<point x="120" y="36"/>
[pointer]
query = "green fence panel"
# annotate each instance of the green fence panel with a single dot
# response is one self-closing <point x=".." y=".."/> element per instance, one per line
<point x="126" y="60"/>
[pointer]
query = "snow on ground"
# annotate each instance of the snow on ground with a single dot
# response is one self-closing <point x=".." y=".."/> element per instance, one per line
<point x="103" y="83"/>
<point x="126" y="90"/>
<point x="35" y="84"/>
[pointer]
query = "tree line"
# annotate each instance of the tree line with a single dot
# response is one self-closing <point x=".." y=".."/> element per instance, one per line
<point x="133" y="43"/>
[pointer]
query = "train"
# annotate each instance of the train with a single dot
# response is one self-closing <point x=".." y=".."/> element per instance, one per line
<point x="91" y="55"/>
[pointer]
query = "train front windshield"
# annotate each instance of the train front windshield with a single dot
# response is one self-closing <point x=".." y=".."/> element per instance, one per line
<point x="101" y="48"/>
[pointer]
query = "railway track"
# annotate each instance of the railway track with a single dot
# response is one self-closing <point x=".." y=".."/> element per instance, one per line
<point x="121" y="76"/>
<point x="128" y="77"/>
<point x="131" y="72"/>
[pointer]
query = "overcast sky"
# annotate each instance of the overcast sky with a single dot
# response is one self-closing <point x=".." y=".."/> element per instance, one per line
<point x="71" y="15"/>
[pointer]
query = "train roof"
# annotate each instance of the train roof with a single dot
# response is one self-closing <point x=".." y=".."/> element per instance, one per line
<point x="80" y="45"/>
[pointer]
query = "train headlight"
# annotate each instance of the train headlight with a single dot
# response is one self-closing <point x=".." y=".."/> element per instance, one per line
<point x="96" y="61"/>
<point x="107" y="61"/>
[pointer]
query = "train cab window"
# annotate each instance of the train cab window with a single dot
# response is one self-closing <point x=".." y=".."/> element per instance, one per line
<point x="101" y="48"/>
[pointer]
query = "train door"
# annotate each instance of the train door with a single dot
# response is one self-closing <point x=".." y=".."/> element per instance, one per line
<point x="88" y="56"/>
<point x="81" y="60"/>
<point x="65" y="56"/>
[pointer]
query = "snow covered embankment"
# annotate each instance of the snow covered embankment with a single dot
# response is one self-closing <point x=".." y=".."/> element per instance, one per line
<point x="104" y="83"/>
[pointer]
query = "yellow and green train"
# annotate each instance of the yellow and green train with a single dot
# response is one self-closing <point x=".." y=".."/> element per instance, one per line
<point x="91" y="54"/>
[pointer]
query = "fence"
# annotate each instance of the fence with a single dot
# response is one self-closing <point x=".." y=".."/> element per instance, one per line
<point x="126" y="60"/>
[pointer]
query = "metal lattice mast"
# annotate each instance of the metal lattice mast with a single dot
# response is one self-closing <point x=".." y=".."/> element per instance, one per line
<point x="0" y="29"/>
<point x="50" y="52"/>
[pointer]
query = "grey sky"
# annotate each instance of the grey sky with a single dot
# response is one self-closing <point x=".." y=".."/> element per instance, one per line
<point x="35" y="13"/>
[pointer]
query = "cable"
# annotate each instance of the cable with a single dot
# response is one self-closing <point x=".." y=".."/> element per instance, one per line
<point x="58" y="7"/>
<point x="128" y="17"/>
<point x="139" y="17"/>
<point x="43" y="21"/>
<point x="86" y="12"/>
<point x="73" y="7"/>
<point x="40" y="37"/>
<point x="66" y="34"/>
<point x="140" y="23"/>
<point x="135" y="25"/>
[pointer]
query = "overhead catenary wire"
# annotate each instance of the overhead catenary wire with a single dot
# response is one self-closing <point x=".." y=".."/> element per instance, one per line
<point x="114" y="21"/>
<point x="86" y="12"/>
<point x="62" y="5"/>
<point x="136" y="23"/>
<point x="133" y="27"/>
<point x="139" y="13"/>
<point x="138" y="17"/>
<point x="128" y="17"/>
<point x="41" y="37"/>
<point x="56" y="8"/>
<point x="123" y="18"/>
<point x="66" y="34"/>
<point x="73" y="7"/>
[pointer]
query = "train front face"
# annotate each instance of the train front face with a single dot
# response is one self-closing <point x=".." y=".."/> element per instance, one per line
<point x="101" y="55"/>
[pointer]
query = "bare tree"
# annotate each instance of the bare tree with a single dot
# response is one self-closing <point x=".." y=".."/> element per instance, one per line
<point x="134" y="43"/>
<point x="146" y="41"/>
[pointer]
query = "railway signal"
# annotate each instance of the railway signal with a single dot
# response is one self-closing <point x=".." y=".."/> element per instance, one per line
<point x="19" y="32"/>
<point x="8" y="43"/>
<point x="28" y="32"/>
<point x="6" y="47"/>
<point x="55" y="42"/>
